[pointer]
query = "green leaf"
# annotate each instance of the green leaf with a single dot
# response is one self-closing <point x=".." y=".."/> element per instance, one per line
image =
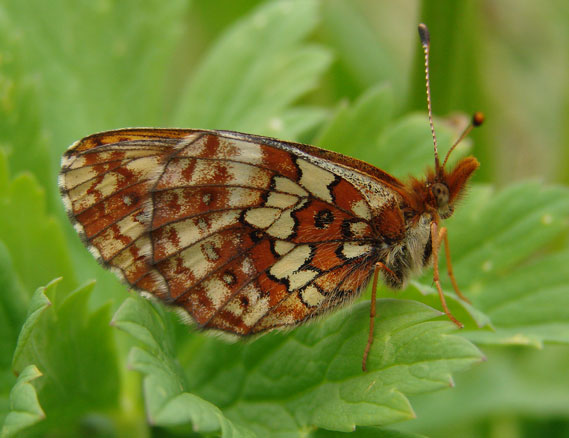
<point x="296" y="122"/>
<point x="94" y="59"/>
<point x="494" y="239"/>
<point x="310" y="377"/>
<point x="75" y="352"/>
<point x="13" y="300"/>
<point x="25" y="409"/>
<point x="255" y="71"/>
<point x="367" y="432"/>
<point x="168" y="403"/>
<point x="20" y="124"/>
<point x="516" y="381"/>
<point x="30" y="234"/>
<point x="355" y="127"/>
<point x="38" y="304"/>
<point x="361" y="54"/>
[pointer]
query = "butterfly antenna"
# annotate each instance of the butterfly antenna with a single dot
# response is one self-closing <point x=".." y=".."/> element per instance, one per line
<point x="426" y="43"/>
<point x="477" y="120"/>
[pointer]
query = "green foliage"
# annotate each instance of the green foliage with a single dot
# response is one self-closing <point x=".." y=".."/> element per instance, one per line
<point x="168" y="402"/>
<point x="88" y="66"/>
<point x="531" y="382"/>
<point x="255" y="71"/>
<point x="309" y="377"/>
<point x="62" y="340"/>
<point x="25" y="408"/>
<point x="28" y="232"/>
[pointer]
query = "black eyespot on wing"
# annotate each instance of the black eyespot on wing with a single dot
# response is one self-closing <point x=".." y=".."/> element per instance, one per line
<point x="257" y="236"/>
<point x="323" y="218"/>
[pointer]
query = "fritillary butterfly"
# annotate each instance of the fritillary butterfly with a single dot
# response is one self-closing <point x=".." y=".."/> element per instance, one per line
<point x="249" y="233"/>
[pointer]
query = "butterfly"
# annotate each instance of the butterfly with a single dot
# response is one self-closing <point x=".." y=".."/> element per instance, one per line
<point x="248" y="233"/>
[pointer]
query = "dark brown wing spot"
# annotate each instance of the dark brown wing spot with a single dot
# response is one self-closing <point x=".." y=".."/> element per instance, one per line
<point x="323" y="218"/>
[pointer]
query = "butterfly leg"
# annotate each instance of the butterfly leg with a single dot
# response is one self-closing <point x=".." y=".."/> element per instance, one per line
<point x="437" y="237"/>
<point x="378" y="267"/>
<point x="449" y="267"/>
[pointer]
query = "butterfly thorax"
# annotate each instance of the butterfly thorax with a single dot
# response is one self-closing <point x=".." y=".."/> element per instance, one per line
<point x="407" y="256"/>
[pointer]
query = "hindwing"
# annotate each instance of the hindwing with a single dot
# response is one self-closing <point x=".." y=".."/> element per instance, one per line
<point x="245" y="233"/>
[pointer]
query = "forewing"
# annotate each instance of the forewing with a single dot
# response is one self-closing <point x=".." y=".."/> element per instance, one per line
<point x="245" y="233"/>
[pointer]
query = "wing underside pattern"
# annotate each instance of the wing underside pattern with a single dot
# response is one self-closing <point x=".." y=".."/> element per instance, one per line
<point x="246" y="235"/>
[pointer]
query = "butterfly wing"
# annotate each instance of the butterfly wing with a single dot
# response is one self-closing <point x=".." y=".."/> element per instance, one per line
<point x="245" y="233"/>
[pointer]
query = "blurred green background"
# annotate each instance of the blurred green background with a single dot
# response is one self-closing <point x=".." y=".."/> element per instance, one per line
<point x="70" y="68"/>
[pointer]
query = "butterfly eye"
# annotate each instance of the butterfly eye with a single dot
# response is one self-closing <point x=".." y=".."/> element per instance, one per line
<point x="441" y="194"/>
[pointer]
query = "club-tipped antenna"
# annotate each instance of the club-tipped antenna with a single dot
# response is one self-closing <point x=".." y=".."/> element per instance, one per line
<point x="426" y="43"/>
<point x="477" y="120"/>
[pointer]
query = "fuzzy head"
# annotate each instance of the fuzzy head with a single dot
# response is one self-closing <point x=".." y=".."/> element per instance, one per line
<point x="446" y="188"/>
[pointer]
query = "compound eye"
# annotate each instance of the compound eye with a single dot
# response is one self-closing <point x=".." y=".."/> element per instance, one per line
<point x="441" y="194"/>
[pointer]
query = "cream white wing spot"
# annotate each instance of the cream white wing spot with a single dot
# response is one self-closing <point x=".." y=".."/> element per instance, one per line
<point x="78" y="176"/>
<point x="206" y="198"/>
<point x="316" y="180"/>
<point x="186" y="171"/>
<point x="112" y="240"/>
<point x="291" y="262"/>
<point x="282" y="184"/>
<point x="247" y="175"/>
<point x="247" y="266"/>
<point x="361" y="209"/>
<point x="192" y="145"/>
<point x="352" y="250"/>
<point x="144" y="165"/>
<point x="299" y="279"/>
<point x="284" y="226"/>
<point x="288" y="268"/>
<point x="311" y="296"/>
<point x="273" y="320"/>
<point x="281" y="200"/>
<point x="234" y="307"/>
<point x="127" y="200"/>
<point x="210" y="251"/>
<point x="359" y="229"/>
<point x="257" y="309"/>
<point x="203" y="171"/>
<point x="88" y="193"/>
<point x="200" y="258"/>
<point x="241" y="197"/>
<point x="226" y="149"/>
<point x="282" y="247"/>
<point x="228" y="278"/>
<point x="261" y="217"/>
<point x="143" y="217"/>
<point x="217" y="291"/>
<point x="242" y="151"/>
